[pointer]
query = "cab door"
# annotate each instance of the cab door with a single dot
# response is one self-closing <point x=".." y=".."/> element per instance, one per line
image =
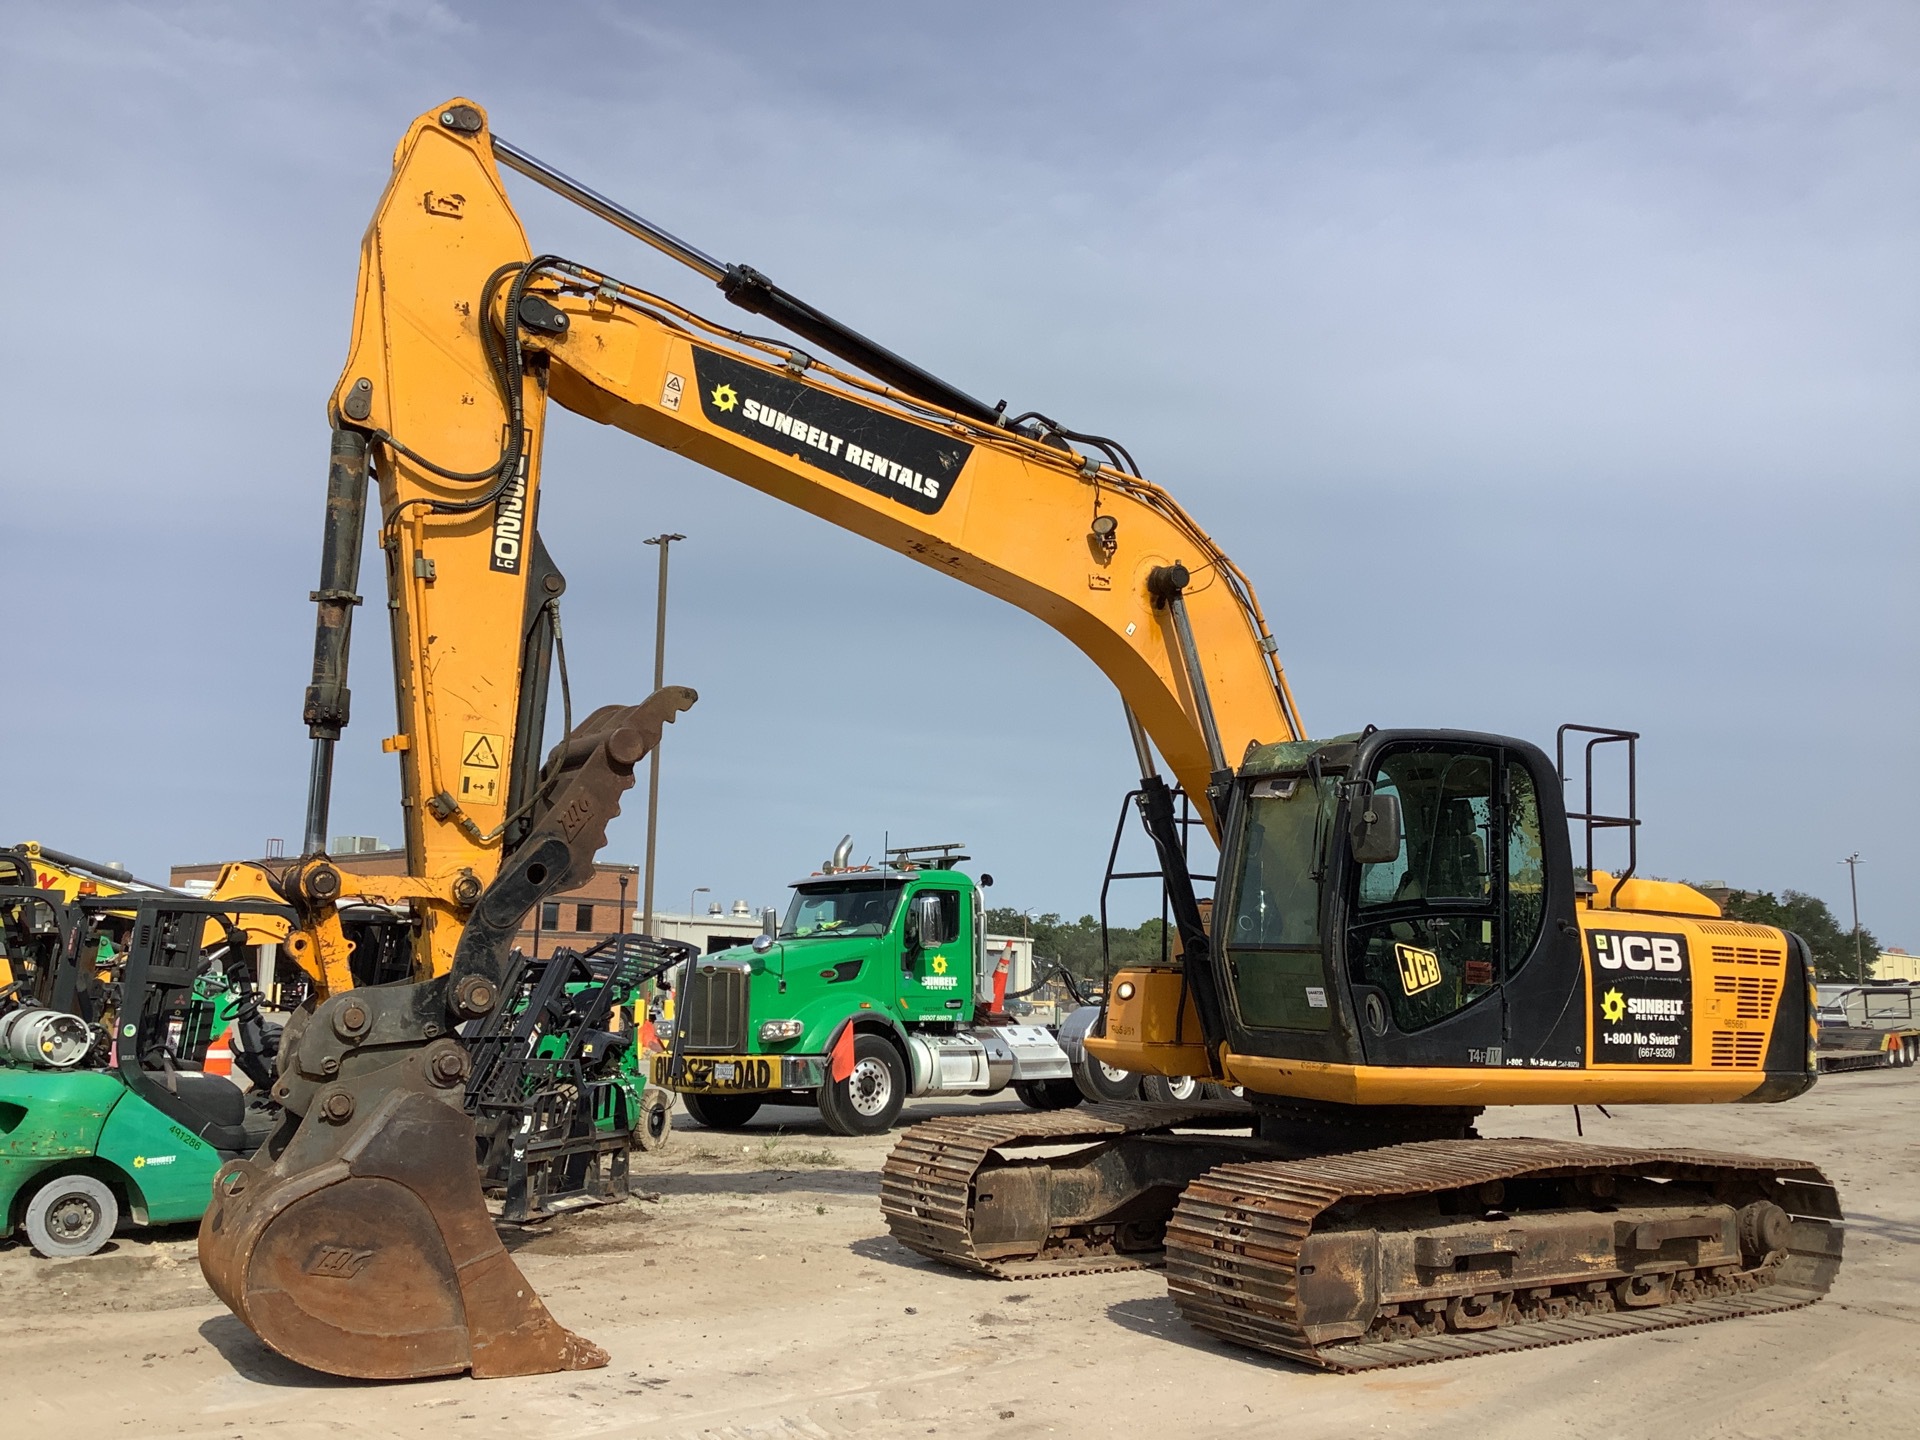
<point x="936" y="958"/>
<point x="1425" y="931"/>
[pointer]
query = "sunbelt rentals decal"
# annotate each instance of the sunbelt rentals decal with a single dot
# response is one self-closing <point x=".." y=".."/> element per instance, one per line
<point x="908" y="464"/>
<point x="1642" y="987"/>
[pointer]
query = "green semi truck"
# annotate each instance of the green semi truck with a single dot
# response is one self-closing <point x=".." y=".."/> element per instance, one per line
<point x="877" y="985"/>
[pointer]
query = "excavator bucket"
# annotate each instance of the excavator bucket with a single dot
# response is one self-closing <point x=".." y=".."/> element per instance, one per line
<point x="376" y="1258"/>
<point x="357" y="1242"/>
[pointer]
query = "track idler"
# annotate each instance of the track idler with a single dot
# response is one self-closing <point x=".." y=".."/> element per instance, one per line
<point x="357" y="1242"/>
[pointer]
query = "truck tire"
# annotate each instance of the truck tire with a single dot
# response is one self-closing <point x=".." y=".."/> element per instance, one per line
<point x="868" y="1101"/>
<point x="1171" y="1089"/>
<point x="722" y="1112"/>
<point x="653" y="1131"/>
<point x="71" y="1215"/>
<point x="1048" y="1094"/>
<point x="1103" y="1084"/>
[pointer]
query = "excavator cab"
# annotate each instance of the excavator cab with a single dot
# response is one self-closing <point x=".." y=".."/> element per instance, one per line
<point x="1399" y="926"/>
<point x="1400" y="898"/>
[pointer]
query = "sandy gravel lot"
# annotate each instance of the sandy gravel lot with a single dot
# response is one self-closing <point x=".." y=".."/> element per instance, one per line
<point x="754" y="1293"/>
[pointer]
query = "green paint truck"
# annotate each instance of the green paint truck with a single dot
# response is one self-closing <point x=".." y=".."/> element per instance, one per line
<point x="877" y="985"/>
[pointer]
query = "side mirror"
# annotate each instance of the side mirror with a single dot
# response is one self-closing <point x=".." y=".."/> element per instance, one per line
<point x="926" y="919"/>
<point x="1373" y="833"/>
<point x="769" y="931"/>
<point x="986" y="882"/>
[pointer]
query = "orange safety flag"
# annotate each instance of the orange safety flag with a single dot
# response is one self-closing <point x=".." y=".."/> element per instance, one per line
<point x="842" y="1056"/>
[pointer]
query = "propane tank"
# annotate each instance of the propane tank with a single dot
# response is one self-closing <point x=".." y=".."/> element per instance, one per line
<point x="35" y="1035"/>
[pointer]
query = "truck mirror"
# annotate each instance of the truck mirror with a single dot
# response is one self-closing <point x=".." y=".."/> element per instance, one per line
<point x="926" y="919"/>
<point x="1374" y="831"/>
<point x="769" y="930"/>
<point x="986" y="881"/>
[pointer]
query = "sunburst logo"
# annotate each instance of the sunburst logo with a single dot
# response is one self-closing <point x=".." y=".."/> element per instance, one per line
<point x="725" y="397"/>
<point x="1613" y="1005"/>
<point x="939" y="964"/>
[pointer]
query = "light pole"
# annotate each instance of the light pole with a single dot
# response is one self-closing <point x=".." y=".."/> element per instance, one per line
<point x="626" y="917"/>
<point x="697" y="890"/>
<point x="1852" y="862"/>
<point x="664" y="541"/>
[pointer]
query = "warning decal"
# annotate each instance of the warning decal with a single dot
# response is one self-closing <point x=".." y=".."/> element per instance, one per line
<point x="481" y="768"/>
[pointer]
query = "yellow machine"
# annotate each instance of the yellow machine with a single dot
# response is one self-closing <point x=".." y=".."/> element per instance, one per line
<point x="1398" y="935"/>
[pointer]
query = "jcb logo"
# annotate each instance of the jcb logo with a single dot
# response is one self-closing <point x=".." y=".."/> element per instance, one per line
<point x="1616" y="950"/>
<point x="1419" y="969"/>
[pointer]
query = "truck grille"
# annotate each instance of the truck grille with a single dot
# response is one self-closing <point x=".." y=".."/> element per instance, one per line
<point x="714" y="1010"/>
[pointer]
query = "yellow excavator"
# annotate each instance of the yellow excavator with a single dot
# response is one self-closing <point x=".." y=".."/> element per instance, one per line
<point x="1399" y="936"/>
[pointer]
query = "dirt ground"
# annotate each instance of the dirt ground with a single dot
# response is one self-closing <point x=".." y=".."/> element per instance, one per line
<point x="752" y="1292"/>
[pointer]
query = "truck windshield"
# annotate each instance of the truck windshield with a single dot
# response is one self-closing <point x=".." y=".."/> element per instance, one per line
<point x="851" y="907"/>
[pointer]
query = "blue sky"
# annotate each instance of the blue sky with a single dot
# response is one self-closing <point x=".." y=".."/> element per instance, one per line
<point x="1538" y="363"/>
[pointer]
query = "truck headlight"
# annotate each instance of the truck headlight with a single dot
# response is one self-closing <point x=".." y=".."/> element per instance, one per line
<point x="1124" y="990"/>
<point x="774" y="1030"/>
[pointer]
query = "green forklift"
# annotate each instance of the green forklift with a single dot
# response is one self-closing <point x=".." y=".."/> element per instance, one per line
<point x="108" y="1111"/>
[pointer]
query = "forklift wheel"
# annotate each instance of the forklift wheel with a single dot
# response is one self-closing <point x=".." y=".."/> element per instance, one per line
<point x="655" y="1129"/>
<point x="71" y="1215"/>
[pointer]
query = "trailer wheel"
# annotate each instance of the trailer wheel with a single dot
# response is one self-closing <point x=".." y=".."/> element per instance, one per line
<point x="722" y="1112"/>
<point x="868" y="1101"/>
<point x="71" y="1215"/>
<point x="655" y="1128"/>
<point x="1171" y="1089"/>
<point x="1048" y="1094"/>
<point x="1103" y="1084"/>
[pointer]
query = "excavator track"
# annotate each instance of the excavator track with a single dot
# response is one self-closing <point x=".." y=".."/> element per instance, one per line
<point x="937" y="1186"/>
<point x="1295" y="1257"/>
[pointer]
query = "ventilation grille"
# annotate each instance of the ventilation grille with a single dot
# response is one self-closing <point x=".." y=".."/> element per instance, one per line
<point x="1762" y="956"/>
<point x="714" y="1010"/>
<point x="1753" y="994"/>
<point x="1738" y="1051"/>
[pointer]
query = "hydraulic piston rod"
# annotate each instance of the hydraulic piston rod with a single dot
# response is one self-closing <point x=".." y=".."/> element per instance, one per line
<point x="328" y="700"/>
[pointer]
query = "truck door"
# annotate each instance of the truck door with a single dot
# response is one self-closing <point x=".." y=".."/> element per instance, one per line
<point x="936" y="958"/>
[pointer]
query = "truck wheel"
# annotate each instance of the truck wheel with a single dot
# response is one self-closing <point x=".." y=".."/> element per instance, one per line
<point x="1170" y="1089"/>
<point x="655" y="1128"/>
<point x="71" y="1215"/>
<point x="1048" y="1094"/>
<point x="868" y="1101"/>
<point x="1103" y="1084"/>
<point x="722" y="1112"/>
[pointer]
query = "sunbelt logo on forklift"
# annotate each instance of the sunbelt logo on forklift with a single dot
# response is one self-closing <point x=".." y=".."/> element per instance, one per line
<point x="909" y="464"/>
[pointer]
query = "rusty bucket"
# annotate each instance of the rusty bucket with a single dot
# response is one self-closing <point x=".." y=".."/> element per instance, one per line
<point x="364" y="1247"/>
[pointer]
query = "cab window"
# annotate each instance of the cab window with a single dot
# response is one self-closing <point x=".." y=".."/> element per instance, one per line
<point x="1526" y="879"/>
<point x="1424" y="930"/>
<point x="1272" y="940"/>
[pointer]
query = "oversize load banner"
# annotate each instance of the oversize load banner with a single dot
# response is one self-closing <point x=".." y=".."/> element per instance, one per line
<point x="907" y="463"/>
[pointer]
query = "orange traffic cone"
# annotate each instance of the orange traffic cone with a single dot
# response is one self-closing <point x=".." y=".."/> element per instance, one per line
<point x="219" y="1056"/>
